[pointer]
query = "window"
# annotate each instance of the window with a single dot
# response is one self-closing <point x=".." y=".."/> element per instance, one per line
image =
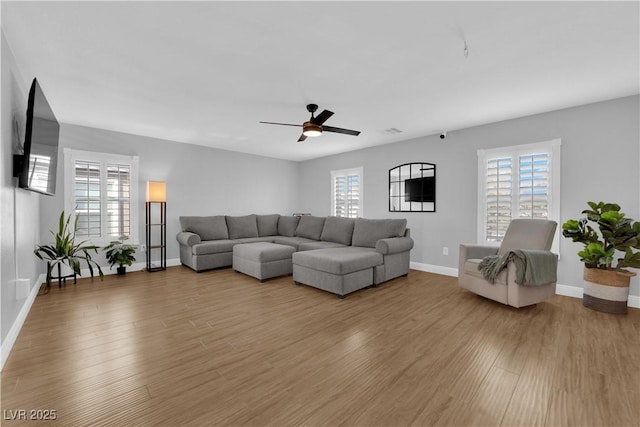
<point x="517" y="182"/>
<point x="101" y="190"/>
<point x="346" y="193"/>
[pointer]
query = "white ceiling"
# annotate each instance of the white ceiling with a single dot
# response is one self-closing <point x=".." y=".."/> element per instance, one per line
<point x="207" y="72"/>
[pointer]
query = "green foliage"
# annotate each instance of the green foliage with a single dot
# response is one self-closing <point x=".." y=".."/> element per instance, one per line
<point x="614" y="233"/>
<point x="65" y="249"/>
<point x="120" y="253"/>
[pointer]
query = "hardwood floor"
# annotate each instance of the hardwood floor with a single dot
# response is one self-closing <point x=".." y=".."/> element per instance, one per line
<point x="220" y="348"/>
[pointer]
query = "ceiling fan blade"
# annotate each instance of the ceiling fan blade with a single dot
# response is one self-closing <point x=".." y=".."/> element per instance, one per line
<point x="302" y="138"/>
<point x="282" y="124"/>
<point x="340" y="130"/>
<point x="322" y="117"/>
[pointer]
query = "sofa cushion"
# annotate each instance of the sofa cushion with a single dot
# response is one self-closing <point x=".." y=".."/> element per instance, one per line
<point x="339" y="260"/>
<point x="255" y="239"/>
<point x="310" y="227"/>
<point x="338" y="230"/>
<point x="213" y="247"/>
<point x="267" y="225"/>
<point x="367" y="232"/>
<point x="207" y="227"/>
<point x="314" y="244"/>
<point x="287" y="225"/>
<point x="294" y="242"/>
<point x="242" y="226"/>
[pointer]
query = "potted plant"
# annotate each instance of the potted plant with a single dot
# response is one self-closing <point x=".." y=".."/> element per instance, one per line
<point x="606" y="285"/>
<point x="65" y="250"/>
<point x="120" y="253"/>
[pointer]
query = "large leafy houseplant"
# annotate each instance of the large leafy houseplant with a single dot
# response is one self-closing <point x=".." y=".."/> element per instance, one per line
<point x="615" y="233"/>
<point x="66" y="250"/>
<point x="604" y="231"/>
<point x="120" y="253"/>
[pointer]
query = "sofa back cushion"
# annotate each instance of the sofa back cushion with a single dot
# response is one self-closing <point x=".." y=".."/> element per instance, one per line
<point x="267" y="225"/>
<point x="242" y="226"/>
<point x="207" y="227"/>
<point x="287" y="225"/>
<point x="310" y="227"/>
<point x="338" y="230"/>
<point x="367" y="232"/>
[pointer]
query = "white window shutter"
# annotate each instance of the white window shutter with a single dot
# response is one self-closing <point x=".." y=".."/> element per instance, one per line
<point x="101" y="191"/>
<point x="346" y="197"/>
<point x="498" y="197"/>
<point x="521" y="181"/>
<point x="533" y="198"/>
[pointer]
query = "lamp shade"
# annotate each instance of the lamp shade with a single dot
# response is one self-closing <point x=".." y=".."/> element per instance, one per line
<point x="156" y="191"/>
<point x="311" y="129"/>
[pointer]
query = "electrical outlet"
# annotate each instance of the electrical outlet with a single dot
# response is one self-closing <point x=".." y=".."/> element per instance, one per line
<point x="445" y="250"/>
<point x="143" y="248"/>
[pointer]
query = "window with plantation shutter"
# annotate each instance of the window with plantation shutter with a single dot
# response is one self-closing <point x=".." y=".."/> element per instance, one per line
<point x="101" y="192"/>
<point x="517" y="182"/>
<point x="346" y="193"/>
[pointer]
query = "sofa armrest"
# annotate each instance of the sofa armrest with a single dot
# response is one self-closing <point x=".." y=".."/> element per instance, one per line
<point x="394" y="245"/>
<point x="469" y="251"/>
<point x="188" y="239"/>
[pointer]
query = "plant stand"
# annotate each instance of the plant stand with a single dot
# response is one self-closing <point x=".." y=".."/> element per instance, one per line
<point x="61" y="279"/>
<point x="606" y="290"/>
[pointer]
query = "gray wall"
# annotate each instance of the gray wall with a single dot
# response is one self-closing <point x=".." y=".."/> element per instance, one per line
<point x="19" y="230"/>
<point x="600" y="154"/>
<point x="200" y="180"/>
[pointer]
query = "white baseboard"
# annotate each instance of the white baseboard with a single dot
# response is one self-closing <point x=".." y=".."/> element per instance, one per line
<point x="10" y="340"/>
<point x="564" y="290"/>
<point x="436" y="269"/>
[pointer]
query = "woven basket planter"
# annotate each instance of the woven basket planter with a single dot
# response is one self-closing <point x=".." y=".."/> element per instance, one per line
<point x="606" y="290"/>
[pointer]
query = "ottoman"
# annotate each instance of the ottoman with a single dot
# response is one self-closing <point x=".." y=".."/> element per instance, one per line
<point x="262" y="260"/>
<point x="337" y="270"/>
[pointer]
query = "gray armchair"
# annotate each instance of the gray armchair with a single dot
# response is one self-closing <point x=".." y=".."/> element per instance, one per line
<point x="522" y="234"/>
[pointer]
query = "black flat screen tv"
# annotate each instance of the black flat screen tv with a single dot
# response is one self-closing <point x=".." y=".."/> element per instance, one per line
<point x="36" y="166"/>
<point x="420" y="189"/>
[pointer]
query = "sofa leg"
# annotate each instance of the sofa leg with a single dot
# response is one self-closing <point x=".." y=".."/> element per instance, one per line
<point x="405" y="275"/>
<point x="297" y="283"/>
<point x="341" y="296"/>
<point x="263" y="280"/>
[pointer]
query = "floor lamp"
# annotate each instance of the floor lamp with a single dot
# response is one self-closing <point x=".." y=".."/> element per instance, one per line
<point x="156" y="224"/>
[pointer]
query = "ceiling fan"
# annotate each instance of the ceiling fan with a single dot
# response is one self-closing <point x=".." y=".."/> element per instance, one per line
<point x="315" y="127"/>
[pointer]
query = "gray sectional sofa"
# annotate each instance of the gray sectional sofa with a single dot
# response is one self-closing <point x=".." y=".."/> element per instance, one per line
<point x="336" y="254"/>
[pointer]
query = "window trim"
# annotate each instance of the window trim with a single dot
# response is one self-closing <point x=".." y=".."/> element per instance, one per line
<point x="70" y="157"/>
<point x="346" y="172"/>
<point x="553" y="148"/>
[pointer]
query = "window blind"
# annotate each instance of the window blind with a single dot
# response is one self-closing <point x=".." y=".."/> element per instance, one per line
<point x="118" y="200"/>
<point x="88" y="207"/>
<point x="499" y="191"/>
<point x="102" y="199"/>
<point x="521" y="181"/>
<point x="533" y="199"/>
<point x="346" y="194"/>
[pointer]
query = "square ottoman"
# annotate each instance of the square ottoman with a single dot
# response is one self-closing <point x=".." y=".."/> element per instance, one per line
<point x="337" y="270"/>
<point x="262" y="260"/>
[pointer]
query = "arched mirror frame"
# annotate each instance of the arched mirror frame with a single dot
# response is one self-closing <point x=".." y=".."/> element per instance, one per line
<point x="412" y="187"/>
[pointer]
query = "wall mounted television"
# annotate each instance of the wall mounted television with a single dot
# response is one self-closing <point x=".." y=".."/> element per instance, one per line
<point x="36" y="166"/>
<point x="420" y="189"/>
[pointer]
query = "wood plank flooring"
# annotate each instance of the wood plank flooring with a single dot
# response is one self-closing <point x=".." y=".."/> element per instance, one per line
<point x="220" y="348"/>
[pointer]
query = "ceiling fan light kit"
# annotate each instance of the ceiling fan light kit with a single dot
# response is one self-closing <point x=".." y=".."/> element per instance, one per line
<point x="311" y="129"/>
<point x="314" y="126"/>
